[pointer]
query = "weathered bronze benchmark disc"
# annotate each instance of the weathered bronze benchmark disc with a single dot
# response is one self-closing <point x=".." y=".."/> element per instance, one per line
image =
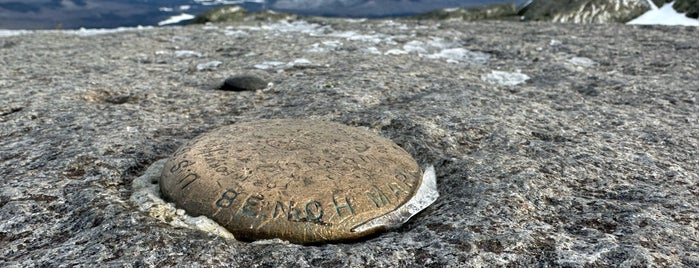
<point x="303" y="181"/>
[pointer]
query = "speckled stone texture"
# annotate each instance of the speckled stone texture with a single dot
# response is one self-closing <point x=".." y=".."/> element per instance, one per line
<point x="587" y="156"/>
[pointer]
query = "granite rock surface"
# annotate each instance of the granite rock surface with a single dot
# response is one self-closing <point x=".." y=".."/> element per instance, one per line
<point x="554" y="144"/>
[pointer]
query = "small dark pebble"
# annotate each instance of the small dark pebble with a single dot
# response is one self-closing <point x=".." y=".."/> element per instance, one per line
<point x="9" y="110"/>
<point x="117" y="99"/>
<point x="243" y="82"/>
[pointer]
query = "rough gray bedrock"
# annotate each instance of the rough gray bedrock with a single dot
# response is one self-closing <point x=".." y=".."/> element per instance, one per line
<point x="592" y="161"/>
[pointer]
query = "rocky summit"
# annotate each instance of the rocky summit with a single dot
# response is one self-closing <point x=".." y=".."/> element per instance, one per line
<point x="553" y="144"/>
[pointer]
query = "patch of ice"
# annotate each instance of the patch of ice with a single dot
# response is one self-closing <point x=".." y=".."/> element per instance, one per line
<point x="187" y="54"/>
<point x="166" y="9"/>
<point x="324" y="46"/>
<point x="396" y="52"/>
<point x="185" y="7"/>
<point x="236" y="33"/>
<point x="208" y="65"/>
<point x="281" y="66"/>
<point x="332" y="43"/>
<point x="8" y="33"/>
<point x="582" y="61"/>
<point x="176" y="19"/>
<point x="146" y="196"/>
<point x="457" y="55"/>
<point x="273" y="241"/>
<point x="79" y="32"/>
<point x="209" y="26"/>
<point x="314" y="29"/>
<point x="90" y="32"/>
<point x="356" y="20"/>
<point x="266" y="65"/>
<point x="665" y="15"/>
<point x="355" y="36"/>
<point x="415" y="46"/>
<point x="226" y="2"/>
<point x="437" y="42"/>
<point x="391" y="23"/>
<point x="301" y="62"/>
<point x="294" y="26"/>
<point x="181" y="53"/>
<point x="426" y="194"/>
<point x="505" y="78"/>
<point x="372" y="50"/>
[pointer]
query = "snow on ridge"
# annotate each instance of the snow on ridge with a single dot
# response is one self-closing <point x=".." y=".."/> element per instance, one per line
<point x="89" y="32"/>
<point x="79" y="32"/>
<point x="176" y="19"/>
<point x="665" y="15"/>
<point x="226" y="2"/>
<point x="8" y="33"/>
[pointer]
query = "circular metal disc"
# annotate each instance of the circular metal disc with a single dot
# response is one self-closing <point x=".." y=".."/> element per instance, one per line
<point x="299" y="180"/>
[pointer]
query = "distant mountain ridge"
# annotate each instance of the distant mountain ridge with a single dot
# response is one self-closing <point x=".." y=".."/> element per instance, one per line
<point x="73" y="14"/>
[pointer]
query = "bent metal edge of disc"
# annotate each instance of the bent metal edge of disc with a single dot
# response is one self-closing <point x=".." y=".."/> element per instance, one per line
<point x="305" y="181"/>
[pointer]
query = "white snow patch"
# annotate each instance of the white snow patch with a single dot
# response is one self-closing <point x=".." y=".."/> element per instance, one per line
<point x="554" y="43"/>
<point x="208" y="65"/>
<point x="166" y="9"/>
<point x="324" y="46"/>
<point x="415" y="46"/>
<point x="372" y="50"/>
<point x="79" y="32"/>
<point x="504" y="78"/>
<point x="187" y="54"/>
<point x="396" y="52"/>
<point x="280" y="66"/>
<point x="209" y="26"/>
<point x="437" y="42"/>
<point x="294" y="26"/>
<point x="8" y="33"/>
<point x="457" y="55"/>
<point x="426" y="194"/>
<point x="397" y="25"/>
<point x="236" y="33"/>
<point x="90" y="32"/>
<point x="146" y="196"/>
<point x="665" y="15"/>
<point x="226" y="2"/>
<point x="176" y="19"/>
<point x="652" y="5"/>
<point x="332" y="43"/>
<point x="180" y="53"/>
<point x="301" y="62"/>
<point x="355" y="36"/>
<point x="356" y="20"/>
<point x="266" y="65"/>
<point x="582" y="61"/>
